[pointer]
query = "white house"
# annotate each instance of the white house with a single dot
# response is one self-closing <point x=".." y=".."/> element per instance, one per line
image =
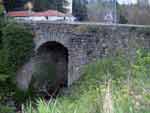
<point x="49" y="15"/>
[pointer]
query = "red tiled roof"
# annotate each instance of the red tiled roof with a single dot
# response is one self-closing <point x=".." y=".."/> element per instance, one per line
<point x="27" y="13"/>
<point x="48" y="13"/>
<point x="18" y="13"/>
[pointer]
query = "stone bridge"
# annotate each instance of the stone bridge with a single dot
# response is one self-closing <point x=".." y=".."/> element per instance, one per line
<point x="77" y="44"/>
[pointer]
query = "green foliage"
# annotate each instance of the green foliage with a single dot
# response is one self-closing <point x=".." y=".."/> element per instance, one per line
<point x="87" y="29"/>
<point x="111" y="84"/>
<point x="5" y="109"/>
<point x="16" y="46"/>
<point x="42" y="5"/>
<point x="10" y="5"/>
<point x="1" y="8"/>
<point x="80" y="10"/>
<point x="39" y="5"/>
<point x="122" y="19"/>
<point x="2" y="24"/>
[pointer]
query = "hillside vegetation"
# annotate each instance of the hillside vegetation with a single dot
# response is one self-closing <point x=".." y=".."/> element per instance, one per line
<point x="110" y="85"/>
<point x="16" y="46"/>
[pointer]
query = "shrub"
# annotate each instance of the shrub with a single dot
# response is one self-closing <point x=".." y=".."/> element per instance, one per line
<point x="5" y="109"/>
<point x="16" y="46"/>
<point x="87" y="29"/>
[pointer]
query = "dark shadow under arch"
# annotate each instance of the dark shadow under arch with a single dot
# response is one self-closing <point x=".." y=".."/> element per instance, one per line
<point x="53" y="61"/>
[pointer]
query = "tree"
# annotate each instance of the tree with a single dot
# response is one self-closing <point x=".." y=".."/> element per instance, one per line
<point x="80" y="9"/>
<point x="11" y="5"/>
<point x="121" y="17"/>
<point x="143" y="3"/>
<point x="95" y="10"/>
<point x="41" y="5"/>
<point x="61" y="4"/>
<point x="1" y="21"/>
<point x="1" y="7"/>
<point x="133" y="14"/>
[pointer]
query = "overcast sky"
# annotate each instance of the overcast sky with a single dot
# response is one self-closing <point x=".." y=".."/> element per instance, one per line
<point x="127" y="1"/>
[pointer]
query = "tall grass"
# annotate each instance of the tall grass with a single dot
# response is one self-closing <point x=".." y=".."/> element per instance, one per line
<point x="110" y="85"/>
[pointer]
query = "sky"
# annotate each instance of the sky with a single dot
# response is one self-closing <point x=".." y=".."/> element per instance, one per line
<point x="127" y="1"/>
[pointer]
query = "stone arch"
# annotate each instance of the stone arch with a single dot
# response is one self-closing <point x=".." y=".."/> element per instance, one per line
<point x="54" y="55"/>
<point x="60" y="38"/>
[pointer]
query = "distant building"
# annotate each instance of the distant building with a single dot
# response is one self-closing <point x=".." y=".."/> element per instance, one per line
<point x="50" y="15"/>
<point x="108" y="18"/>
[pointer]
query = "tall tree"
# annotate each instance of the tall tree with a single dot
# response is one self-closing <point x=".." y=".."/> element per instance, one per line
<point x="61" y="5"/>
<point x="80" y="9"/>
<point x="143" y="3"/>
<point x="11" y="5"/>
<point x="41" y="5"/>
<point x="1" y="7"/>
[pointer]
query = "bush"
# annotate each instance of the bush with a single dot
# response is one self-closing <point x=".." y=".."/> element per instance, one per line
<point x="87" y="29"/>
<point x="16" y="46"/>
<point x="5" y="109"/>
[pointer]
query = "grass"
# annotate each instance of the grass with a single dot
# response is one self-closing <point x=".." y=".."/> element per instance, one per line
<point x="110" y="85"/>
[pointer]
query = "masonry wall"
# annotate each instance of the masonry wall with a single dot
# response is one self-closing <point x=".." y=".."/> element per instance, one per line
<point x="88" y="42"/>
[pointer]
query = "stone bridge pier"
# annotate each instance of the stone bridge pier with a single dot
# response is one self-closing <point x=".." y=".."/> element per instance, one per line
<point x="71" y="46"/>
